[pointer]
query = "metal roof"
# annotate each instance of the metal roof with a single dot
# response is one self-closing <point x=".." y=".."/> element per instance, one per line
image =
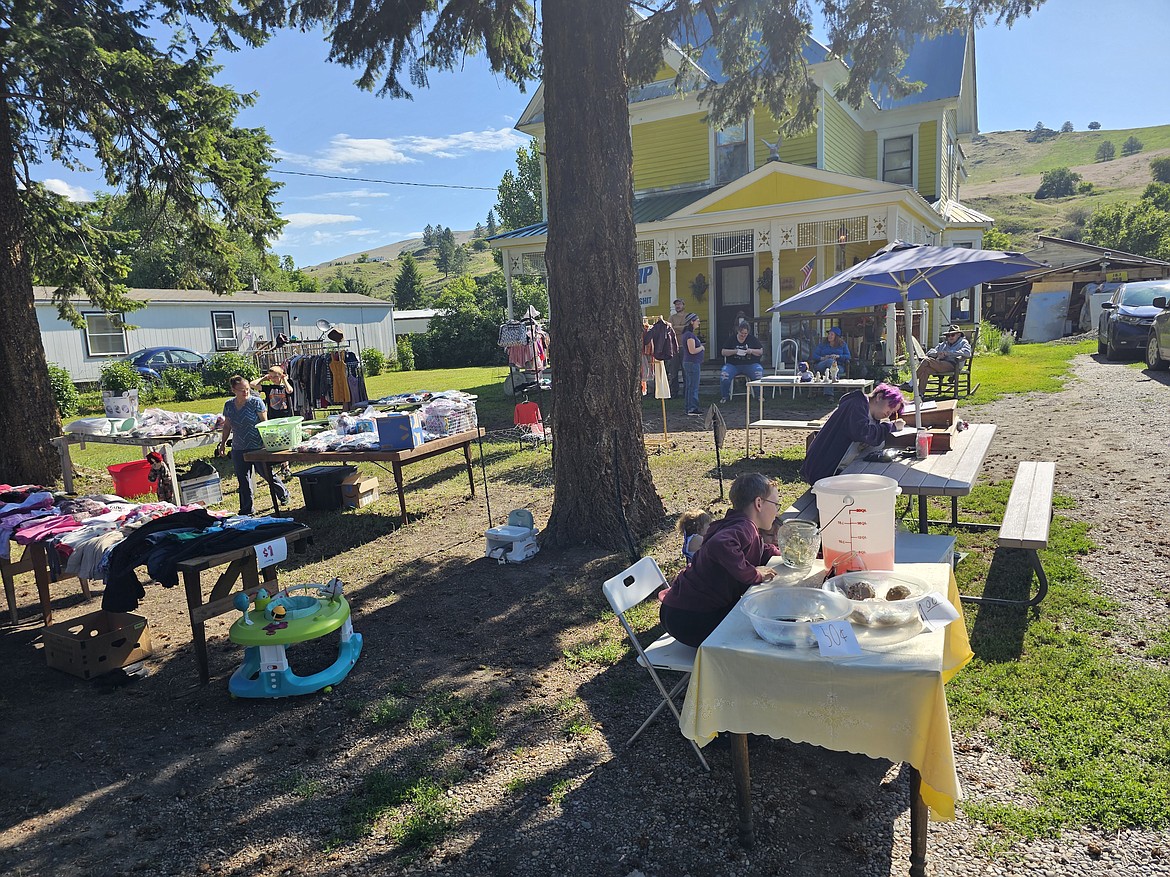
<point x="191" y="296"/>
<point x="955" y="211"/>
<point x="936" y="62"/>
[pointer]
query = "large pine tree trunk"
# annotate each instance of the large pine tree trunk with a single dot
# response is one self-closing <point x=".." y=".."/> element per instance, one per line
<point x="30" y="416"/>
<point x="596" y="325"/>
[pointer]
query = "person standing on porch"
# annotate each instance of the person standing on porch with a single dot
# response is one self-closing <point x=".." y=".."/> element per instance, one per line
<point x="742" y="353"/>
<point x="678" y="320"/>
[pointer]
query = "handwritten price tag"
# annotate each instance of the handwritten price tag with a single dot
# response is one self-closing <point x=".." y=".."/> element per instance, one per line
<point x="271" y="553"/>
<point x="835" y="638"/>
<point x="936" y="611"/>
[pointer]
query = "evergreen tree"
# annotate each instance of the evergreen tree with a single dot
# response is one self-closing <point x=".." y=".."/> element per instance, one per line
<point x="479" y="230"/>
<point x="429" y="236"/>
<point x="492" y="228"/>
<point x="459" y="261"/>
<point x="589" y="57"/>
<point x="1106" y="151"/>
<point x="1066" y="128"/>
<point x="1131" y="146"/>
<point x="444" y="261"/>
<point x="129" y="88"/>
<point x="408" y="285"/>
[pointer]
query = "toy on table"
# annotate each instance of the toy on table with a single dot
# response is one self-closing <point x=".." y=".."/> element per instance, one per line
<point x="804" y="373"/>
<point x="282" y="620"/>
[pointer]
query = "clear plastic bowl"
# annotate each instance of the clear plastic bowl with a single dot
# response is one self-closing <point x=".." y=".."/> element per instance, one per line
<point x="877" y="611"/>
<point x="784" y="616"/>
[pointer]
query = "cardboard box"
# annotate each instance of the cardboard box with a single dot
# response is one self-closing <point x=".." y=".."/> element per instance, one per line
<point x="358" y="491"/>
<point x="940" y="415"/>
<point x="207" y="490"/>
<point x="96" y="643"/>
<point x="400" y="432"/>
<point x="940" y="441"/>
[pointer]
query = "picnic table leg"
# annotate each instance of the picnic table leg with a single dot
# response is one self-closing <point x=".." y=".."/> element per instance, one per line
<point x="954" y="511"/>
<point x="470" y="468"/>
<point x="198" y="637"/>
<point x="397" y="467"/>
<point x="919" y="818"/>
<point x="62" y="445"/>
<point x="743" y="788"/>
<point x="923" y="523"/>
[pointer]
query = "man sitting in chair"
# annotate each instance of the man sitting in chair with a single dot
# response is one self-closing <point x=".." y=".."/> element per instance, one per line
<point x="947" y="357"/>
<point x="742" y="351"/>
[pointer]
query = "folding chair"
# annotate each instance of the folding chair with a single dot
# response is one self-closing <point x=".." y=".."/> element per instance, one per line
<point x="530" y="424"/>
<point x="625" y="591"/>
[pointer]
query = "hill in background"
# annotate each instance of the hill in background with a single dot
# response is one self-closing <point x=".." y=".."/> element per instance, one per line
<point x="1005" y="171"/>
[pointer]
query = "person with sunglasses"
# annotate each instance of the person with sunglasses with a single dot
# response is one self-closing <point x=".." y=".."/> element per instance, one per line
<point x="732" y="558"/>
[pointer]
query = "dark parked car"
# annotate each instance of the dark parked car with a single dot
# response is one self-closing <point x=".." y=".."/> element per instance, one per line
<point x="1126" y="318"/>
<point x="1158" y="343"/>
<point x="151" y="362"/>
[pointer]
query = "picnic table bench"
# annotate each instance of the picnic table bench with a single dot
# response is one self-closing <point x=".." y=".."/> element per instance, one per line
<point x="1027" y="519"/>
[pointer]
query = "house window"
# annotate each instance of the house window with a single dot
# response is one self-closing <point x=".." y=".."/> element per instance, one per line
<point x="898" y="161"/>
<point x="223" y="324"/>
<point x="731" y="154"/>
<point x="105" y="335"/>
<point x="278" y="323"/>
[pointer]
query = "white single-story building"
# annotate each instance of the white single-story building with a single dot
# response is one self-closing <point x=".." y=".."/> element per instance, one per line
<point x="206" y="323"/>
<point x="413" y="322"/>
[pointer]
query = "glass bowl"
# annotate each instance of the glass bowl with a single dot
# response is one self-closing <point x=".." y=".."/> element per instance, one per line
<point x="783" y="616"/>
<point x="878" y="611"/>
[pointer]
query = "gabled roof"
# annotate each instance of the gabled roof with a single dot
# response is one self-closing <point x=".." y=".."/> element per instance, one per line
<point x="936" y="62"/>
<point x="708" y="59"/>
<point x="955" y="212"/>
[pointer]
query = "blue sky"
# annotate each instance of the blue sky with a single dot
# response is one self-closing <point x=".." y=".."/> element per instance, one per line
<point x="1074" y="60"/>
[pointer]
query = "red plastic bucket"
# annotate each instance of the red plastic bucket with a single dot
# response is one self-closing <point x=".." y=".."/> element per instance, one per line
<point x="131" y="479"/>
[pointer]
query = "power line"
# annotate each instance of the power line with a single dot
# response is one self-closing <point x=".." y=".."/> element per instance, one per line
<point x="385" y="182"/>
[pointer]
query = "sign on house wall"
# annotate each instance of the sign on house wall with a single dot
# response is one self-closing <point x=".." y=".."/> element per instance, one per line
<point x="648" y="285"/>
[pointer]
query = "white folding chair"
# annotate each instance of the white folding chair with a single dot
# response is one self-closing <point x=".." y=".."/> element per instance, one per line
<point x="625" y="591"/>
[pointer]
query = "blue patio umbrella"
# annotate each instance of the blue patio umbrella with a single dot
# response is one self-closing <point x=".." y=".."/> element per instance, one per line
<point x="902" y="272"/>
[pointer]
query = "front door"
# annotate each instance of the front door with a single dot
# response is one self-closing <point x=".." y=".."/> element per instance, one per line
<point x="278" y="323"/>
<point x="734" y="297"/>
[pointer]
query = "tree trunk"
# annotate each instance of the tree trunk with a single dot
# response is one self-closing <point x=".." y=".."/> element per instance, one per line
<point x="30" y="410"/>
<point x="596" y="327"/>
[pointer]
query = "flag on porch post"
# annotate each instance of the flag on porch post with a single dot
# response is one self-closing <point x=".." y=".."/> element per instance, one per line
<point x="806" y="272"/>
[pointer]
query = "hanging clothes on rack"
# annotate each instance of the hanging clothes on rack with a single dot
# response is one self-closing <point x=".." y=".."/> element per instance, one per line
<point x="340" y="382"/>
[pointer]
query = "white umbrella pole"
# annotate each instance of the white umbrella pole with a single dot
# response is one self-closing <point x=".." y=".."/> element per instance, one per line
<point x="911" y="358"/>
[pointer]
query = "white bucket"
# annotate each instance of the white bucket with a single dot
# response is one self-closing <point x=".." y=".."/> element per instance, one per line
<point x="857" y="518"/>
<point x="120" y="406"/>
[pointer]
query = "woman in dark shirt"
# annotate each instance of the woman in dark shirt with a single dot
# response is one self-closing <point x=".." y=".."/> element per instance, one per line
<point x="858" y="418"/>
<point x="731" y="559"/>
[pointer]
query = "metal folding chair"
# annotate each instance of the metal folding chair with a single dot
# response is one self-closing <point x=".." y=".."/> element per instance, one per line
<point x="625" y="591"/>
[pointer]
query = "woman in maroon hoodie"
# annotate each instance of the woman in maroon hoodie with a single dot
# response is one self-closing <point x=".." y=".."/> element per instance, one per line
<point x="731" y="559"/>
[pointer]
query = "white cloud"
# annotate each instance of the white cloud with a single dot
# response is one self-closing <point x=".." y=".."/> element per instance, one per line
<point x="310" y="220"/>
<point x="73" y="193"/>
<point x="346" y="153"/>
<point x="350" y="193"/>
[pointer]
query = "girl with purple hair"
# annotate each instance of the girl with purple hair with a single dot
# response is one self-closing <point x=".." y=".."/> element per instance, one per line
<point x="864" y="419"/>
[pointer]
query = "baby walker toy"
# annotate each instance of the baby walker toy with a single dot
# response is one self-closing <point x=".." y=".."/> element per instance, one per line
<point x="279" y="621"/>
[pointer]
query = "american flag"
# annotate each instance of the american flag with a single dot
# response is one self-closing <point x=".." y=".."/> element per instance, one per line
<point x="807" y="271"/>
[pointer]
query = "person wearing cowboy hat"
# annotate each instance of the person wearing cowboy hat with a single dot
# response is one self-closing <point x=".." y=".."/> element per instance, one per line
<point x="947" y="356"/>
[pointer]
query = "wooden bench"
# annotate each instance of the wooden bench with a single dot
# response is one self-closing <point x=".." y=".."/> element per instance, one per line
<point x="804" y="508"/>
<point x="1026" y="523"/>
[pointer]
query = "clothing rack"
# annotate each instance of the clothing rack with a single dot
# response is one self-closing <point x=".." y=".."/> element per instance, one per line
<point x="266" y="359"/>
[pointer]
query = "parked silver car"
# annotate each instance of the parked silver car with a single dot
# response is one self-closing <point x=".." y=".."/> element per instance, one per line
<point x="1158" y="341"/>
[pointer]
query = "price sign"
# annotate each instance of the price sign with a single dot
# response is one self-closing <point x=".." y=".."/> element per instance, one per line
<point x="936" y="611"/>
<point x="271" y="553"/>
<point x="835" y="638"/>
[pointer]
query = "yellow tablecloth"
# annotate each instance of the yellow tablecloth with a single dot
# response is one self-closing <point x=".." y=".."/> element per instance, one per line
<point x="886" y="704"/>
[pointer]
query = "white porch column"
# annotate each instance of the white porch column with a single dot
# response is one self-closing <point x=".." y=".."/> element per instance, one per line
<point x="673" y="262"/>
<point x="508" y="280"/>
<point x="774" y="249"/>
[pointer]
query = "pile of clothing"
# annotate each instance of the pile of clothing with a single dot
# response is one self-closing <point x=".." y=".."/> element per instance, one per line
<point x="157" y="423"/>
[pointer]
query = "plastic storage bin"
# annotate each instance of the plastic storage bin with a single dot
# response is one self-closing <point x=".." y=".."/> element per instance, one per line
<point x="207" y="490"/>
<point x="131" y="479"/>
<point x="280" y="434"/>
<point x="321" y="485"/>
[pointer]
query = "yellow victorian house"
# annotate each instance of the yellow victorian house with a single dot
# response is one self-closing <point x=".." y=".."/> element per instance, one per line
<point x="732" y="220"/>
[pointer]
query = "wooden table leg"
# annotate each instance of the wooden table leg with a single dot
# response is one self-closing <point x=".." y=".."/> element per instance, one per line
<point x="923" y="523"/>
<point x="919" y="818"/>
<point x="168" y="455"/>
<point x="397" y="467"/>
<point x="9" y="589"/>
<point x="743" y="788"/>
<point x="40" y="565"/>
<point x="198" y="637"/>
<point x="62" y="444"/>
<point x="470" y="468"/>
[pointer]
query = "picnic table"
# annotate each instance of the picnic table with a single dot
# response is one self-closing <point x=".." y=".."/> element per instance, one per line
<point x="397" y="459"/>
<point x="166" y="445"/>
<point x="951" y="473"/>
<point x="885" y="704"/>
<point x="761" y="423"/>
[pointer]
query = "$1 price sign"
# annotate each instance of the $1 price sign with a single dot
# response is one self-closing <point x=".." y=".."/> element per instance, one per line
<point x="835" y="638"/>
<point x="936" y="611"/>
<point x="271" y="553"/>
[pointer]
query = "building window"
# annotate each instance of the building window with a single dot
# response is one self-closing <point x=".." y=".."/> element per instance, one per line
<point x="105" y="335"/>
<point x="278" y="323"/>
<point x="731" y="153"/>
<point x="898" y="161"/>
<point x="223" y="324"/>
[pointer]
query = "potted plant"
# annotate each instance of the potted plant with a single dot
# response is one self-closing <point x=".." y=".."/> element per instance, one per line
<point x="120" y="382"/>
<point x="699" y="287"/>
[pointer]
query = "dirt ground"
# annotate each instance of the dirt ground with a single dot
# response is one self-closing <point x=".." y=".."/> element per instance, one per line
<point x="473" y="694"/>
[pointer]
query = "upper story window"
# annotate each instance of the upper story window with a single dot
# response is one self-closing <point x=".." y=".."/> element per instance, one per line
<point x="105" y="335"/>
<point x="898" y="160"/>
<point x="731" y="152"/>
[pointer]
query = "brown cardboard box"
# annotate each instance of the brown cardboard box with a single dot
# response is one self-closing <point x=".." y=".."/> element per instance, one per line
<point x="358" y="491"/>
<point x="940" y="441"/>
<point x="96" y="643"/>
<point x="941" y="415"/>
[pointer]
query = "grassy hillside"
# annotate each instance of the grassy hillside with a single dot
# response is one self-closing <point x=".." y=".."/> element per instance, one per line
<point x="1005" y="171"/>
<point x="381" y="275"/>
